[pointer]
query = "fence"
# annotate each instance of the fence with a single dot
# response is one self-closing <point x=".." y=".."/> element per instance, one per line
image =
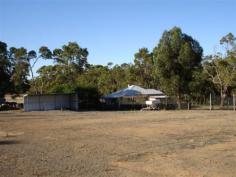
<point x="213" y="102"/>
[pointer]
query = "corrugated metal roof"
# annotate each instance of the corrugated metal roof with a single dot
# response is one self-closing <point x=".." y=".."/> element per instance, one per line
<point x="134" y="90"/>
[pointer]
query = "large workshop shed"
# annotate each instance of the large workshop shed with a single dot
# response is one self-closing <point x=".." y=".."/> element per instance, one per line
<point x="46" y="102"/>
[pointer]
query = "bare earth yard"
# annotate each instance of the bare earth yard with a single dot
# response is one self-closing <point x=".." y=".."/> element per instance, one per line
<point x="125" y="144"/>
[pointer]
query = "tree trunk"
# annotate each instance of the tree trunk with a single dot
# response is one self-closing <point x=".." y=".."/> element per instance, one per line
<point x="32" y="80"/>
<point x="222" y="96"/>
<point x="222" y="99"/>
<point x="41" y="90"/>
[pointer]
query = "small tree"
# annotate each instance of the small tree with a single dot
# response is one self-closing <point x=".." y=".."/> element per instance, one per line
<point x="221" y="68"/>
<point x="222" y="73"/>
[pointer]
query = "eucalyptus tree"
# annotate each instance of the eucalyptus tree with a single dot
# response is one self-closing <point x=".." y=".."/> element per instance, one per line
<point x="143" y="68"/>
<point x="71" y="55"/>
<point x="5" y="69"/>
<point x="176" y="57"/>
<point x="20" y="68"/>
<point x="221" y="67"/>
<point x="70" y="61"/>
<point x="201" y="87"/>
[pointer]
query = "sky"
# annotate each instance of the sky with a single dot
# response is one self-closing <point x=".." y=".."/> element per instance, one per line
<point x="113" y="30"/>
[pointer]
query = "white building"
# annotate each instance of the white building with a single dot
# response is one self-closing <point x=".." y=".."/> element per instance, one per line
<point x="51" y="102"/>
<point x="132" y="96"/>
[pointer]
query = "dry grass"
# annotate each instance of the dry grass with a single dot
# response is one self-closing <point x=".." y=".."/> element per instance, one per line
<point x="139" y="144"/>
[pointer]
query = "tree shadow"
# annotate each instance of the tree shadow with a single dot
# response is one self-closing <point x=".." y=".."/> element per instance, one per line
<point x="9" y="142"/>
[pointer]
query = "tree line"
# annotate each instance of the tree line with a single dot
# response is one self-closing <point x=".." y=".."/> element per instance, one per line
<point x="176" y="65"/>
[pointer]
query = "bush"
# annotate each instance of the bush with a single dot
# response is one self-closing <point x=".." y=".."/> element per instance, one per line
<point x="64" y="88"/>
<point x="4" y="107"/>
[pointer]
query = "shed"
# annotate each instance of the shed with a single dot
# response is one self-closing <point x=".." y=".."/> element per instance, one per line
<point x="51" y="102"/>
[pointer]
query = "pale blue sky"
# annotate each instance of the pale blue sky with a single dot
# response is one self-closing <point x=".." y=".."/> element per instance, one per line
<point x="113" y="30"/>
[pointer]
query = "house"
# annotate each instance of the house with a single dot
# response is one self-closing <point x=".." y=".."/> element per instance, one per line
<point x="131" y="97"/>
<point x="51" y="102"/>
<point x="14" y="101"/>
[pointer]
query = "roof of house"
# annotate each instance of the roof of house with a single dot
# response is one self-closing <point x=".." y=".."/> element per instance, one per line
<point x="134" y="90"/>
<point x="18" y="98"/>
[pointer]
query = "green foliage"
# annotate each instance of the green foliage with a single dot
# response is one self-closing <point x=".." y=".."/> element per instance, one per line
<point x="222" y="73"/>
<point x="176" y="57"/>
<point x="71" y="54"/>
<point x="175" y="66"/>
<point x="71" y="61"/>
<point x="143" y="69"/>
<point x="45" y="52"/>
<point x="221" y="68"/>
<point x="201" y="86"/>
<point x="105" y="79"/>
<point x="88" y="97"/>
<point x="62" y="88"/>
<point x="4" y="69"/>
<point x="20" y="68"/>
<point x="4" y="107"/>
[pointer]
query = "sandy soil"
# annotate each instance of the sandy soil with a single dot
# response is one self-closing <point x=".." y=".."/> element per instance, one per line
<point x="125" y="144"/>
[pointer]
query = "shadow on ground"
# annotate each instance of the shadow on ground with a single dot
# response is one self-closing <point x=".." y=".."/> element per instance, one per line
<point x="9" y="142"/>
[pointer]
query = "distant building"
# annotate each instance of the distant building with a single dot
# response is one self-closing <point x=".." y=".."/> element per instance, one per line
<point x="15" y="101"/>
<point x="51" y="102"/>
<point x="18" y="98"/>
<point x="131" y="97"/>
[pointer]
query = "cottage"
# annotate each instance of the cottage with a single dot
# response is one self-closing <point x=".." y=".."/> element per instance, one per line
<point x="14" y="101"/>
<point x="131" y="97"/>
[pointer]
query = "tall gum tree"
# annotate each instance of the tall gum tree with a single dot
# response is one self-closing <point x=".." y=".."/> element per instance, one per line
<point x="5" y="72"/>
<point x="176" y="57"/>
<point x="143" y="68"/>
<point x="70" y="61"/>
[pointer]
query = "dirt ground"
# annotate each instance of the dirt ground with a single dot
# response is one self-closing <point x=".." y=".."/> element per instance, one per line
<point x="124" y="144"/>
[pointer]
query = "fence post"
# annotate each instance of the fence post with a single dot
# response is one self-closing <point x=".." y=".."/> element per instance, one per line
<point x="210" y="103"/>
<point x="234" y="102"/>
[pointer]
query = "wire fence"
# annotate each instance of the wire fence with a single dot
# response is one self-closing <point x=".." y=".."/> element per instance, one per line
<point x="214" y="102"/>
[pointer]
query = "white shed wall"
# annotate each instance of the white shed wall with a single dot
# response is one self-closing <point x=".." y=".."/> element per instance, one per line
<point x="50" y="102"/>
